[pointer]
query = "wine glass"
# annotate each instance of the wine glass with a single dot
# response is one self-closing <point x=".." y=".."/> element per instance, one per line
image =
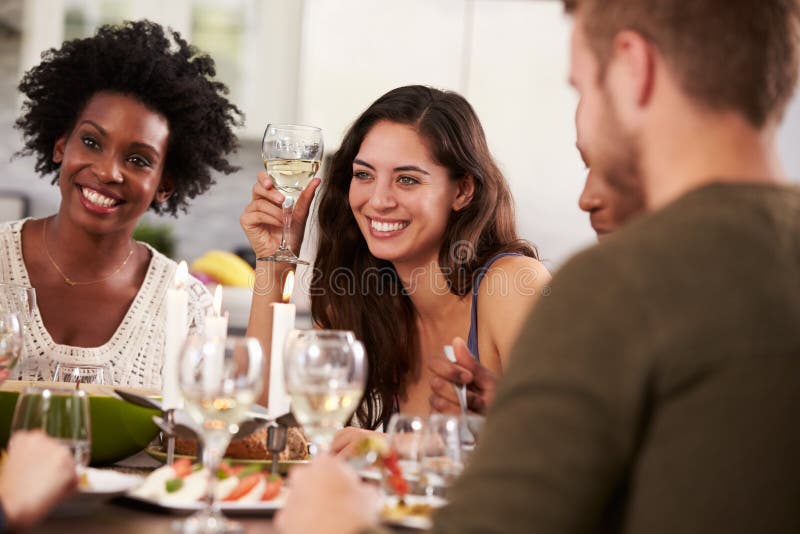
<point x="404" y="439"/>
<point x="62" y="413"/>
<point x="20" y="300"/>
<point x="325" y="374"/>
<point x="441" y="460"/>
<point x="10" y="343"/>
<point x="85" y="374"/>
<point x="292" y="156"/>
<point x="220" y="379"/>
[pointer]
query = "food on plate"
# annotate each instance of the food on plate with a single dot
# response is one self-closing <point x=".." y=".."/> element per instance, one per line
<point x="254" y="446"/>
<point x="397" y="511"/>
<point x="183" y="483"/>
<point x="375" y="451"/>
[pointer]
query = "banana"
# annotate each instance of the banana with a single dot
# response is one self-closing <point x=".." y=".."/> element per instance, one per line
<point x="224" y="267"/>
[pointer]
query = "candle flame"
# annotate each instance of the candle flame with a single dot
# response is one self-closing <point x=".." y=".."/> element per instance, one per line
<point x="181" y="275"/>
<point x="218" y="300"/>
<point x="288" y="286"/>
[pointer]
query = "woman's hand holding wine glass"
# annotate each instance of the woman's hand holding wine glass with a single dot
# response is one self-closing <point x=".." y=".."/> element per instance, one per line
<point x="292" y="155"/>
<point x="262" y="220"/>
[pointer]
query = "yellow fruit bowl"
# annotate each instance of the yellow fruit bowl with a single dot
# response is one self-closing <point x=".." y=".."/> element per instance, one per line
<point x="119" y="429"/>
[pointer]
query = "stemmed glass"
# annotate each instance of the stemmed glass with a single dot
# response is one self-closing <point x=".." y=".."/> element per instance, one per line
<point x="10" y="343"/>
<point x="292" y="156"/>
<point x="20" y="300"/>
<point x="441" y="457"/>
<point x="325" y="372"/>
<point x="85" y="374"/>
<point x="405" y="437"/>
<point x="220" y="379"/>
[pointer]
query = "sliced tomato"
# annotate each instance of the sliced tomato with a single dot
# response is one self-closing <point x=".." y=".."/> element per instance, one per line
<point x="244" y="487"/>
<point x="182" y="467"/>
<point x="273" y="488"/>
<point x="398" y="484"/>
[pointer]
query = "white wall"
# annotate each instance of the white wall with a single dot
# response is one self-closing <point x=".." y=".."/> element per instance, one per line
<point x="509" y="58"/>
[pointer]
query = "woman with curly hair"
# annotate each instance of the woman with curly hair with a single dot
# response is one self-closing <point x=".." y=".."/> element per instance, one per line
<point x="417" y="246"/>
<point x="126" y="121"/>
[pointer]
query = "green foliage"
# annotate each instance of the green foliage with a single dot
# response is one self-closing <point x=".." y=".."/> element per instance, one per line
<point x="158" y="236"/>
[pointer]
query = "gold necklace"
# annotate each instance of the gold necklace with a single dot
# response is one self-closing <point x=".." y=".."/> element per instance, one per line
<point x="67" y="279"/>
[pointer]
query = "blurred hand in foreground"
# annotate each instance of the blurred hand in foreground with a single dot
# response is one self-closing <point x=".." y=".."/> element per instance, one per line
<point x="467" y="370"/>
<point x="347" y="442"/>
<point x="36" y="474"/>
<point x="327" y="497"/>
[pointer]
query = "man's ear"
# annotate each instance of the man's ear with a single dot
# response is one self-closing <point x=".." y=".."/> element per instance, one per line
<point x="165" y="189"/>
<point x="58" y="149"/>
<point x="466" y="188"/>
<point x="635" y="71"/>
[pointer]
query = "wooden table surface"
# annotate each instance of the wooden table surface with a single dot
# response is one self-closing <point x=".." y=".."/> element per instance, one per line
<point x="119" y="518"/>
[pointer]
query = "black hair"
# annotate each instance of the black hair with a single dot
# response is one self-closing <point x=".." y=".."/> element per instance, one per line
<point x="158" y="68"/>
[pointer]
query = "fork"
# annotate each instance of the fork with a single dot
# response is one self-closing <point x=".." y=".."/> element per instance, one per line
<point x="466" y="436"/>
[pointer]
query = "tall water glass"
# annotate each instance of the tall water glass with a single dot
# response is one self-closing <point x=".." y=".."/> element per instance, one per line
<point x="62" y="413"/>
<point x="220" y="379"/>
<point x="325" y="372"/>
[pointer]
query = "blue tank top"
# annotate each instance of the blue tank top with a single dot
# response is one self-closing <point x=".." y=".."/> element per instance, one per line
<point x="472" y="338"/>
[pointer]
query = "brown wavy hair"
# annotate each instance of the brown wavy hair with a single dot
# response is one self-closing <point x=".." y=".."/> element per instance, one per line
<point x="354" y="290"/>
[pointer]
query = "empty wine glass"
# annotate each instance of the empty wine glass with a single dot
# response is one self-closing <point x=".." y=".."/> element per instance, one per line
<point x="10" y="343"/>
<point x="405" y="439"/>
<point x="20" y="300"/>
<point x="62" y="413"/>
<point x="440" y="455"/>
<point x="292" y="156"/>
<point x="220" y="379"/>
<point x="325" y="374"/>
<point x="85" y="374"/>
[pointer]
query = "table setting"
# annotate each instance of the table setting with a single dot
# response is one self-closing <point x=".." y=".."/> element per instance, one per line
<point x="199" y="452"/>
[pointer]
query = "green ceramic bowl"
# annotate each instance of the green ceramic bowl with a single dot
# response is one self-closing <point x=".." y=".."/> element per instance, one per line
<point x="119" y="429"/>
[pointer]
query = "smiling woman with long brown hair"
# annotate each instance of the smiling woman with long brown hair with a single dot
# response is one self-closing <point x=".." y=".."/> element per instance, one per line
<point x="417" y="246"/>
<point x="126" y="121"/>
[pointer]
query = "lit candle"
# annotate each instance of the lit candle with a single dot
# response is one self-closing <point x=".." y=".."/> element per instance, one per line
<point x="216" y="327"/>
<point x="283" y="315"/>
<point x="177" y="310"/>
<point x="216" y="323"/>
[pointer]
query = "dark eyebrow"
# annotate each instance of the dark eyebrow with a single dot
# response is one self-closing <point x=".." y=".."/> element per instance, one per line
<point x="403" y="168"/>
<point x="96" y="126"/>
<point x="364" y="163"/>
<point x="137" y="144"/>
<point x="411" y="168"/>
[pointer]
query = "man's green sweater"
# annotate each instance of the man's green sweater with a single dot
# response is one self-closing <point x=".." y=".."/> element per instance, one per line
<point x="657" y="388"/>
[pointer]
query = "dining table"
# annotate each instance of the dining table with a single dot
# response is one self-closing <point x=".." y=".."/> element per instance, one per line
<point x="121" y="515"/>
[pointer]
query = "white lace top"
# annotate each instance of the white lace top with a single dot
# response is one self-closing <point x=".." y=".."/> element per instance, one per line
<point x="135" y="351"/>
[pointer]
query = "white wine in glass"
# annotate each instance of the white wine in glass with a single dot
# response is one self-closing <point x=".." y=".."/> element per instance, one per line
<point x="292" y="155"/>
<point x="220" y="378"/>
<point x="291" y="176"/>
<point x="325" y="376"/>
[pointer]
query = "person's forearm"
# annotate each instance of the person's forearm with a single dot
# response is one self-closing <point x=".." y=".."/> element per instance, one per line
<point x="267" y="290"/>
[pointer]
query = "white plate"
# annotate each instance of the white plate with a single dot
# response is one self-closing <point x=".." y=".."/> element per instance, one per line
<point x="106" y="482"/>
<point x="229" y="508"/>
